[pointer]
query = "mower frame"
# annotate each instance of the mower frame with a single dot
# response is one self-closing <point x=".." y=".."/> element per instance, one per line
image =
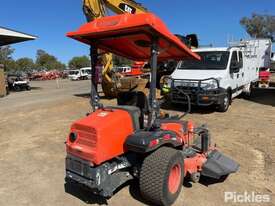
<point x="160" y="155"/>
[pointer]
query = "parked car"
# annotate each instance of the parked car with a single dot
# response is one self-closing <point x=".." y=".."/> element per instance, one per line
<point x="17" y="83"/>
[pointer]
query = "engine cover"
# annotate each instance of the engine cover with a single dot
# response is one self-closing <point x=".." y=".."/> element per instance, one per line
<point x="101" y="135"/>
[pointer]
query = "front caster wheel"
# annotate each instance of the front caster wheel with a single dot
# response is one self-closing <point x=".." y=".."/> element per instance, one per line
<point x="195" y="177"/>
<point x="161" y="176"/>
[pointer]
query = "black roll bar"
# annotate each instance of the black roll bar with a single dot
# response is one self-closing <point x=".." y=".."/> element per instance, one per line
<point x="94" y="101"/>
<point x="153" y="103"/>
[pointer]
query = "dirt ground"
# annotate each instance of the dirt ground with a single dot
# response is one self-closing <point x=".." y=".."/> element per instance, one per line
<point x="34" y="125"/>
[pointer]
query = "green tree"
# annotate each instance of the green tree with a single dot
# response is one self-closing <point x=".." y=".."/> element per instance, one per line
<point x="5" y="53"/>
<point x="6" y="58"/>
<point x="47" y="61"/>
<point x="11" y="66"/>
<point x="121" y="61"/>
<point x="25" y="64"/>
<point x="259" y="26"/>
<point x="79" y="62"/>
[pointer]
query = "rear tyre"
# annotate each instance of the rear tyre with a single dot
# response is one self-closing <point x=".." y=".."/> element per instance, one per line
<point x="224" y="105"/>
<point x="161" y="176"/>
<point x="247" y="94"/>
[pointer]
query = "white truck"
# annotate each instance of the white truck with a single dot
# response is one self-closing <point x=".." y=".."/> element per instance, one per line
<point x="272" y="68"/>
<point x="273" y="57"/>
<point x="221" y="75"/>
<point x="80" y="74"/>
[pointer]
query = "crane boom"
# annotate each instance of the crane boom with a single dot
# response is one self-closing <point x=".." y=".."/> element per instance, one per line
<point x="97" y="8"/>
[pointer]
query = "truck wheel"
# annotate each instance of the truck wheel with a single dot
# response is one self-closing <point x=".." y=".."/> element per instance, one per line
<point x="161" y="176"/>
<point x="247" y="94"/>
<point x="224" y="105"/>
<point x="17" y="88"/>
<point x="28" y="88"/>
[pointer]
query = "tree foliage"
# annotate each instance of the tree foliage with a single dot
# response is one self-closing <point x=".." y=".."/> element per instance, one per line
<point x="47" y="61"/>
<point x="6" y="57"/>
<point x="5" y="53"/>
<point x="25" y="64"/>
<point x="79" y="62"/>
<point x="121" y="61"/>
<point x="260" y="26"/>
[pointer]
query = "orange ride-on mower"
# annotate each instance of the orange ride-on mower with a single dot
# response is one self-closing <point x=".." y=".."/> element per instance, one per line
<point x="114" y="144"/>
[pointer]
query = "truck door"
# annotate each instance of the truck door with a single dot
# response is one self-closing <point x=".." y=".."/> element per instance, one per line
<point x="82" y="73"/>
<point x="235" y="73"/>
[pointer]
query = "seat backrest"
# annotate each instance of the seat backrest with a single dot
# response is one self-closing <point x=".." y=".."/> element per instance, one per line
<point x="136" y="98"/>
<point x="134" y="113"/>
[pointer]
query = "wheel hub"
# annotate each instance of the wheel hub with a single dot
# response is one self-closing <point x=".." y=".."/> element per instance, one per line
<point x="174" y="179"/>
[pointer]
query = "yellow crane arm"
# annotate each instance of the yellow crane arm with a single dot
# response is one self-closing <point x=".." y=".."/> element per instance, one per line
<point x="97" y="8"/>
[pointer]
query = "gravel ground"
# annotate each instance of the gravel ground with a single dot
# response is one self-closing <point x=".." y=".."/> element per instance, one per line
<point x="34" y="125"/>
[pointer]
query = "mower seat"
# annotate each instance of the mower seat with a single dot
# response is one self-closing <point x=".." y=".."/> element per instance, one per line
<point x="133" y="111"/>
<point x="137" y="99"/>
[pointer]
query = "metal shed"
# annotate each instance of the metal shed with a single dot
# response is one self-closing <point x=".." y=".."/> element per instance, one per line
<point x="8" y="36"/>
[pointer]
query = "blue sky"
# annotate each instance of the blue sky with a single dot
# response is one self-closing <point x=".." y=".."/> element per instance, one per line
<point x="213" y="20"/>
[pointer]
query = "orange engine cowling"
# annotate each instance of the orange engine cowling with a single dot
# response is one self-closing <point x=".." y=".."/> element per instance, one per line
<point x="100" y="136"/>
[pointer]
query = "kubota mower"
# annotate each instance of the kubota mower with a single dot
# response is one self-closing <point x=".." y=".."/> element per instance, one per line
<point x="114" y="144"/>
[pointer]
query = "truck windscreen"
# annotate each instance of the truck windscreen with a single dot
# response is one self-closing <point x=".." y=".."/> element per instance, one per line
<point x="73" y="72"/>
<point x="212" y="60"/>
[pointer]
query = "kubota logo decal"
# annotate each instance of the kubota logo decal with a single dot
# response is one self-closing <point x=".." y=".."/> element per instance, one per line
<point x="102" y="114"/>
<point x="107" y="23"/>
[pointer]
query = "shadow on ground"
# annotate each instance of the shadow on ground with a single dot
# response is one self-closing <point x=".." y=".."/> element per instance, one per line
<point x="32" y="89"/>
<point x="184" y="108"/>
<point x="36" y="88"/>
<point x="84" y="194"/>
<point x="88" y="95"/>
<point x="206" y="181"/>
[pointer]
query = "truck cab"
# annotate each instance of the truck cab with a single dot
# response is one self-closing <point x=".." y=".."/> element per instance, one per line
<point x="222" y="74"/>
<point x="81" y="74"/>
<point x="213" y="80"/>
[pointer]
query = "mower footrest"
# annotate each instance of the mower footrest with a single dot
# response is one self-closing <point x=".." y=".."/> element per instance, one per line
<point x="218" y="165"/>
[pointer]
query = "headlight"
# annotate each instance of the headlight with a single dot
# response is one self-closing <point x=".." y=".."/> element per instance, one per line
<point x="209" y="84"/>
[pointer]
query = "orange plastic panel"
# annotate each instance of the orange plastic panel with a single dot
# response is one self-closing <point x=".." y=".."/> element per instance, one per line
<point x="101" y="135"/>
<point x="130" y="35"/>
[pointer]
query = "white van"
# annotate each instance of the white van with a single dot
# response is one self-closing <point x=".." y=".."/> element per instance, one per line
<point x="81" y="74"/>
<point x="221" y="75"/>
